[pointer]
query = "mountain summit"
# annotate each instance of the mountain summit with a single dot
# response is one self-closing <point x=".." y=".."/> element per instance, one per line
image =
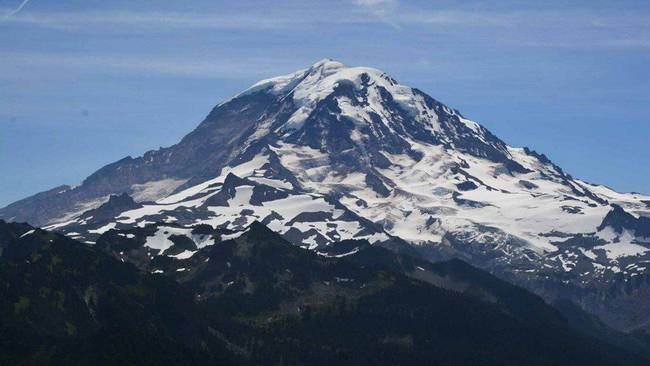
<point x="361" y="113"/>
<point x="331" y="153"/>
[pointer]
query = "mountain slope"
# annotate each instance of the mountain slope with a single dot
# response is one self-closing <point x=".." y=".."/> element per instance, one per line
<point x="333" y="152"/>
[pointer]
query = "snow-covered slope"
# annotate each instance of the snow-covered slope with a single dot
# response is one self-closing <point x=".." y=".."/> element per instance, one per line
<point x="232" y="201"/>
<point x="332" y="152"/>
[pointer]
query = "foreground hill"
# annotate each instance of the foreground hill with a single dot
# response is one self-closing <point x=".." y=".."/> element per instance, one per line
<point x="258" y="299"/>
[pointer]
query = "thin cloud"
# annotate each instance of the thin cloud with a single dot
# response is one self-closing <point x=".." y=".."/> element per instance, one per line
<point x="180" y="20"/>
<point x="15" y="11"/>
<point x="151" y="20"/>
<point x="144" y="64"/>
<point x="628" y="43"/>
<point x="375" y="3"/>
<point x="516" y="27"/>
<point x="383" y="10"/>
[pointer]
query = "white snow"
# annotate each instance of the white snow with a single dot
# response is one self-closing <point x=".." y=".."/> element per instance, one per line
<point x="353" y="251"/>
<point x="184" y="255"/>
<point x="104" y="228"/>
<point x="242" y="197"/>
<point x="78" y="210"/>
<point x="30" y="232"/>
<point x="616" y="251"/>
<point x="308" y="87"/>
<point x="154" y="190"/>
<point x="160" y="240"/>
<point x="243" y="170"/>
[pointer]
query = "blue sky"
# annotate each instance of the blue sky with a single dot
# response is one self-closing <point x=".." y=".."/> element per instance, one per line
<point x="84" y="83"/>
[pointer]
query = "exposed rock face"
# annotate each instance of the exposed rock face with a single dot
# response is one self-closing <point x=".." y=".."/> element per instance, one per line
<point x="621" y="221"/>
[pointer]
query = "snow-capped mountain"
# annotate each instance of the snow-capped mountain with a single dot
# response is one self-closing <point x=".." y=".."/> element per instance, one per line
<point x="332" y="152"/>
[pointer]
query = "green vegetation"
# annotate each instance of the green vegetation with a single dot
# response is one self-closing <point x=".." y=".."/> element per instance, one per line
<point x="21" y="305"/>
<point x="257" y="300"/>
<point x="53" y="262"/>
<point x="70" y="329"/>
